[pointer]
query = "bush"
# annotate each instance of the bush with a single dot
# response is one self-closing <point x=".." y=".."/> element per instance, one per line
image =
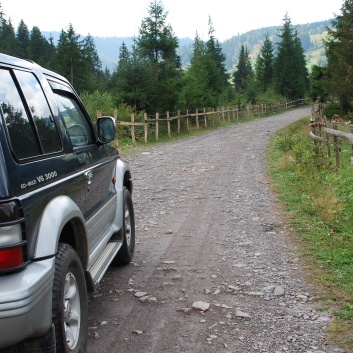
<point x="331" y="109"/>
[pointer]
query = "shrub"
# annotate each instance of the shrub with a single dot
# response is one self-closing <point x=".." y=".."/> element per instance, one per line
<point x="331" y="109"/>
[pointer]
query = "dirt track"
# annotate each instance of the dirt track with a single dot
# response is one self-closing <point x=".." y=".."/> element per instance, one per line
<point x="208" y="230"/>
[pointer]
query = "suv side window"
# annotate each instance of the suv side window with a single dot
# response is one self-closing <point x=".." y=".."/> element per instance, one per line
<point x="42" y="117"/>
<point x="20" y="130"/>
<point x="30" y="125"/>
<point x="77" y="128"/>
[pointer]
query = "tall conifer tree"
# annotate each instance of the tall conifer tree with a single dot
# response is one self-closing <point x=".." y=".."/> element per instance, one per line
<point x="339" y="53"/>
<point x="290" y="73"/>
<point x="244" y="69"/>
<point x="264" y="65"/>
<point x="158" y="45"/>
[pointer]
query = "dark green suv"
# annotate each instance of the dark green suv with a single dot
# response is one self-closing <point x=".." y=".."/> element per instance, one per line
<point x="66" y="211"/>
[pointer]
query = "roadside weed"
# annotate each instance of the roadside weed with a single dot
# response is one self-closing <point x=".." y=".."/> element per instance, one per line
<point x="317" y="198"/>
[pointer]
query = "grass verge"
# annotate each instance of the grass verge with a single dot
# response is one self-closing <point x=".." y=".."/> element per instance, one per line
<point x="317" y="199"/>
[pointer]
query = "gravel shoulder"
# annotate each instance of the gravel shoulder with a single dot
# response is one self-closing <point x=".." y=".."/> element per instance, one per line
<point x="214" y="269"/>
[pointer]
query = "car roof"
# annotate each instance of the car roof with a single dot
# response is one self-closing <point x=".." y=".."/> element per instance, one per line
<point x="27" y="64"/>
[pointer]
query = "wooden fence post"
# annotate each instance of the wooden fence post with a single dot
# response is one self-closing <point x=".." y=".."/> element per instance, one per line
<point x="178" y="121"/>
<point x="223" y="119"/>
<point x="133" y="129"/>
<point x="116" y="142"/>
<point x="228" y="115"/>
<point x="328" y="145"/>
<point x="168" y="125"/>
<point x="197" y="119"/>
<point x="351" y="132"/>
<point x="205" y="117"/>
<point x="145" y="126"/>
<point x="157" y="126"/>
<point x="187" y="119"/>
<point x="213" y="117"/>
<point x="337" y="150"/>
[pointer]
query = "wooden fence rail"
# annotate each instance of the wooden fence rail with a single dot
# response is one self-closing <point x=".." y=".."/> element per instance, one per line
<point x="214" y="116"/>
<point x="321" y="134"/>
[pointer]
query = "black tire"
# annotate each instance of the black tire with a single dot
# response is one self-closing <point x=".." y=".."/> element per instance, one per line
<point x="127" y="250"/>
<point x="70" y="302"/>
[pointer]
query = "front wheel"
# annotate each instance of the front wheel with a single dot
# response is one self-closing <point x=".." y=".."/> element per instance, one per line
<point x="127" y="250"/>
<point x="70" y="302"/>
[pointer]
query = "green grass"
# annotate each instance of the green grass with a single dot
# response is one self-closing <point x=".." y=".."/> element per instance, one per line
<point x="317" y="198"/>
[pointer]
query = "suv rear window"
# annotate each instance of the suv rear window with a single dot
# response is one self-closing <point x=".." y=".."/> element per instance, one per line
<point x="30" y="125"/>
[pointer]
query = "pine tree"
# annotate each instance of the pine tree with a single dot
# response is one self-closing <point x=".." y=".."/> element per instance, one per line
<point x="23" y="40"/>
<point x="69" y="57"/>
<point x="290" y="73"/>
<point x="302" y="78"/>
<point x="339" y="53"/>
<point x="8" y="40"/>
<point x="130" y="81"/>
<point x="244" y="69"/>
<point x="264" y="65"/>
<point x="91" y="65"/>
<point x="158" y="45"/>
<point x="206" y="80"/>
<point x="317" y="78"/>
<point x="40" y="50"/>
<point x="196" y="92"/>
<point x="217" y="71"/>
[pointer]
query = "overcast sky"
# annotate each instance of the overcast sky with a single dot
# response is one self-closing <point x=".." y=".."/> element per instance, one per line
<point x="110" y="18"/>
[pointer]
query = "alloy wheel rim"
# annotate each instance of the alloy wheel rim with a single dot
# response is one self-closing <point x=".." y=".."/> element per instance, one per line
<point x="72" y="311"/>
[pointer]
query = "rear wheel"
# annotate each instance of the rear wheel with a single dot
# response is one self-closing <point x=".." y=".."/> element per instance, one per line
<point x="70" y="302"/>
<point x="127" y="250"/>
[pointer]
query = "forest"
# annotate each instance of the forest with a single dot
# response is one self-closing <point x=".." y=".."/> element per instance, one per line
<point x="150" y="76"/>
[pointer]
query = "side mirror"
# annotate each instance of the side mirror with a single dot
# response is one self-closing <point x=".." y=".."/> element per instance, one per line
<point x="106" y="128"/>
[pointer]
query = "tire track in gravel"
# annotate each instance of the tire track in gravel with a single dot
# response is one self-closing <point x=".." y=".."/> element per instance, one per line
<point x="209" y="230"/>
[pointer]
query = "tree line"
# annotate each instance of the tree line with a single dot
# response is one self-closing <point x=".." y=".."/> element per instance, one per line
<point x="149" y="76"/>
<point x="335" y="79"/>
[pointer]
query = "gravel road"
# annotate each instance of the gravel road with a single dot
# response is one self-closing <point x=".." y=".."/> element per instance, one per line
<point x="214" y="269"/>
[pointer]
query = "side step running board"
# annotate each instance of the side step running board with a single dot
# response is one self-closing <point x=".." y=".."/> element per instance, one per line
<point x="101" y="264"/>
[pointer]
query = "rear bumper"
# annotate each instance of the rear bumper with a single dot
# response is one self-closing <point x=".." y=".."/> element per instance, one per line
<point x="26" y="302"/>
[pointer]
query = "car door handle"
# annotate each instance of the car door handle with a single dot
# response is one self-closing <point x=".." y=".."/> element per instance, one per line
<point x="89" y="176"/>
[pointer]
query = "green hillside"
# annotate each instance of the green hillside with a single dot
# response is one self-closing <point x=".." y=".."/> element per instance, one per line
<point x="310" y="34"/>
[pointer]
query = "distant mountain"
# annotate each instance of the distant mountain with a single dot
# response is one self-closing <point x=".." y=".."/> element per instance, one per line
<point x="311" y="36"/>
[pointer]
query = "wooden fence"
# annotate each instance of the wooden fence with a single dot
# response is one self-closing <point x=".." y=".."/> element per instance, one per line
<point x="193" y="119"/>
<point x="321" y="133"/>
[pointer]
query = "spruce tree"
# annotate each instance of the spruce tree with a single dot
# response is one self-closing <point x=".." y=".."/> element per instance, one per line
<point x="8" y="40"/>
<point x="69" y="57"/>
<point x="91" y="65"/>
<point x="264" y="65"/>
<point x="339" y="53"/>
<point x="290" y="73"/>
<point x="217" y="70"/>
<point x="317" y="78"/>
<point x="22" y="48"/>
<point x="131" y="79"/>
<point x="196" y="91"/>
<point x="41" y="50"/>
<point x="244" y="69"/>
<point x="158" y="45"/>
